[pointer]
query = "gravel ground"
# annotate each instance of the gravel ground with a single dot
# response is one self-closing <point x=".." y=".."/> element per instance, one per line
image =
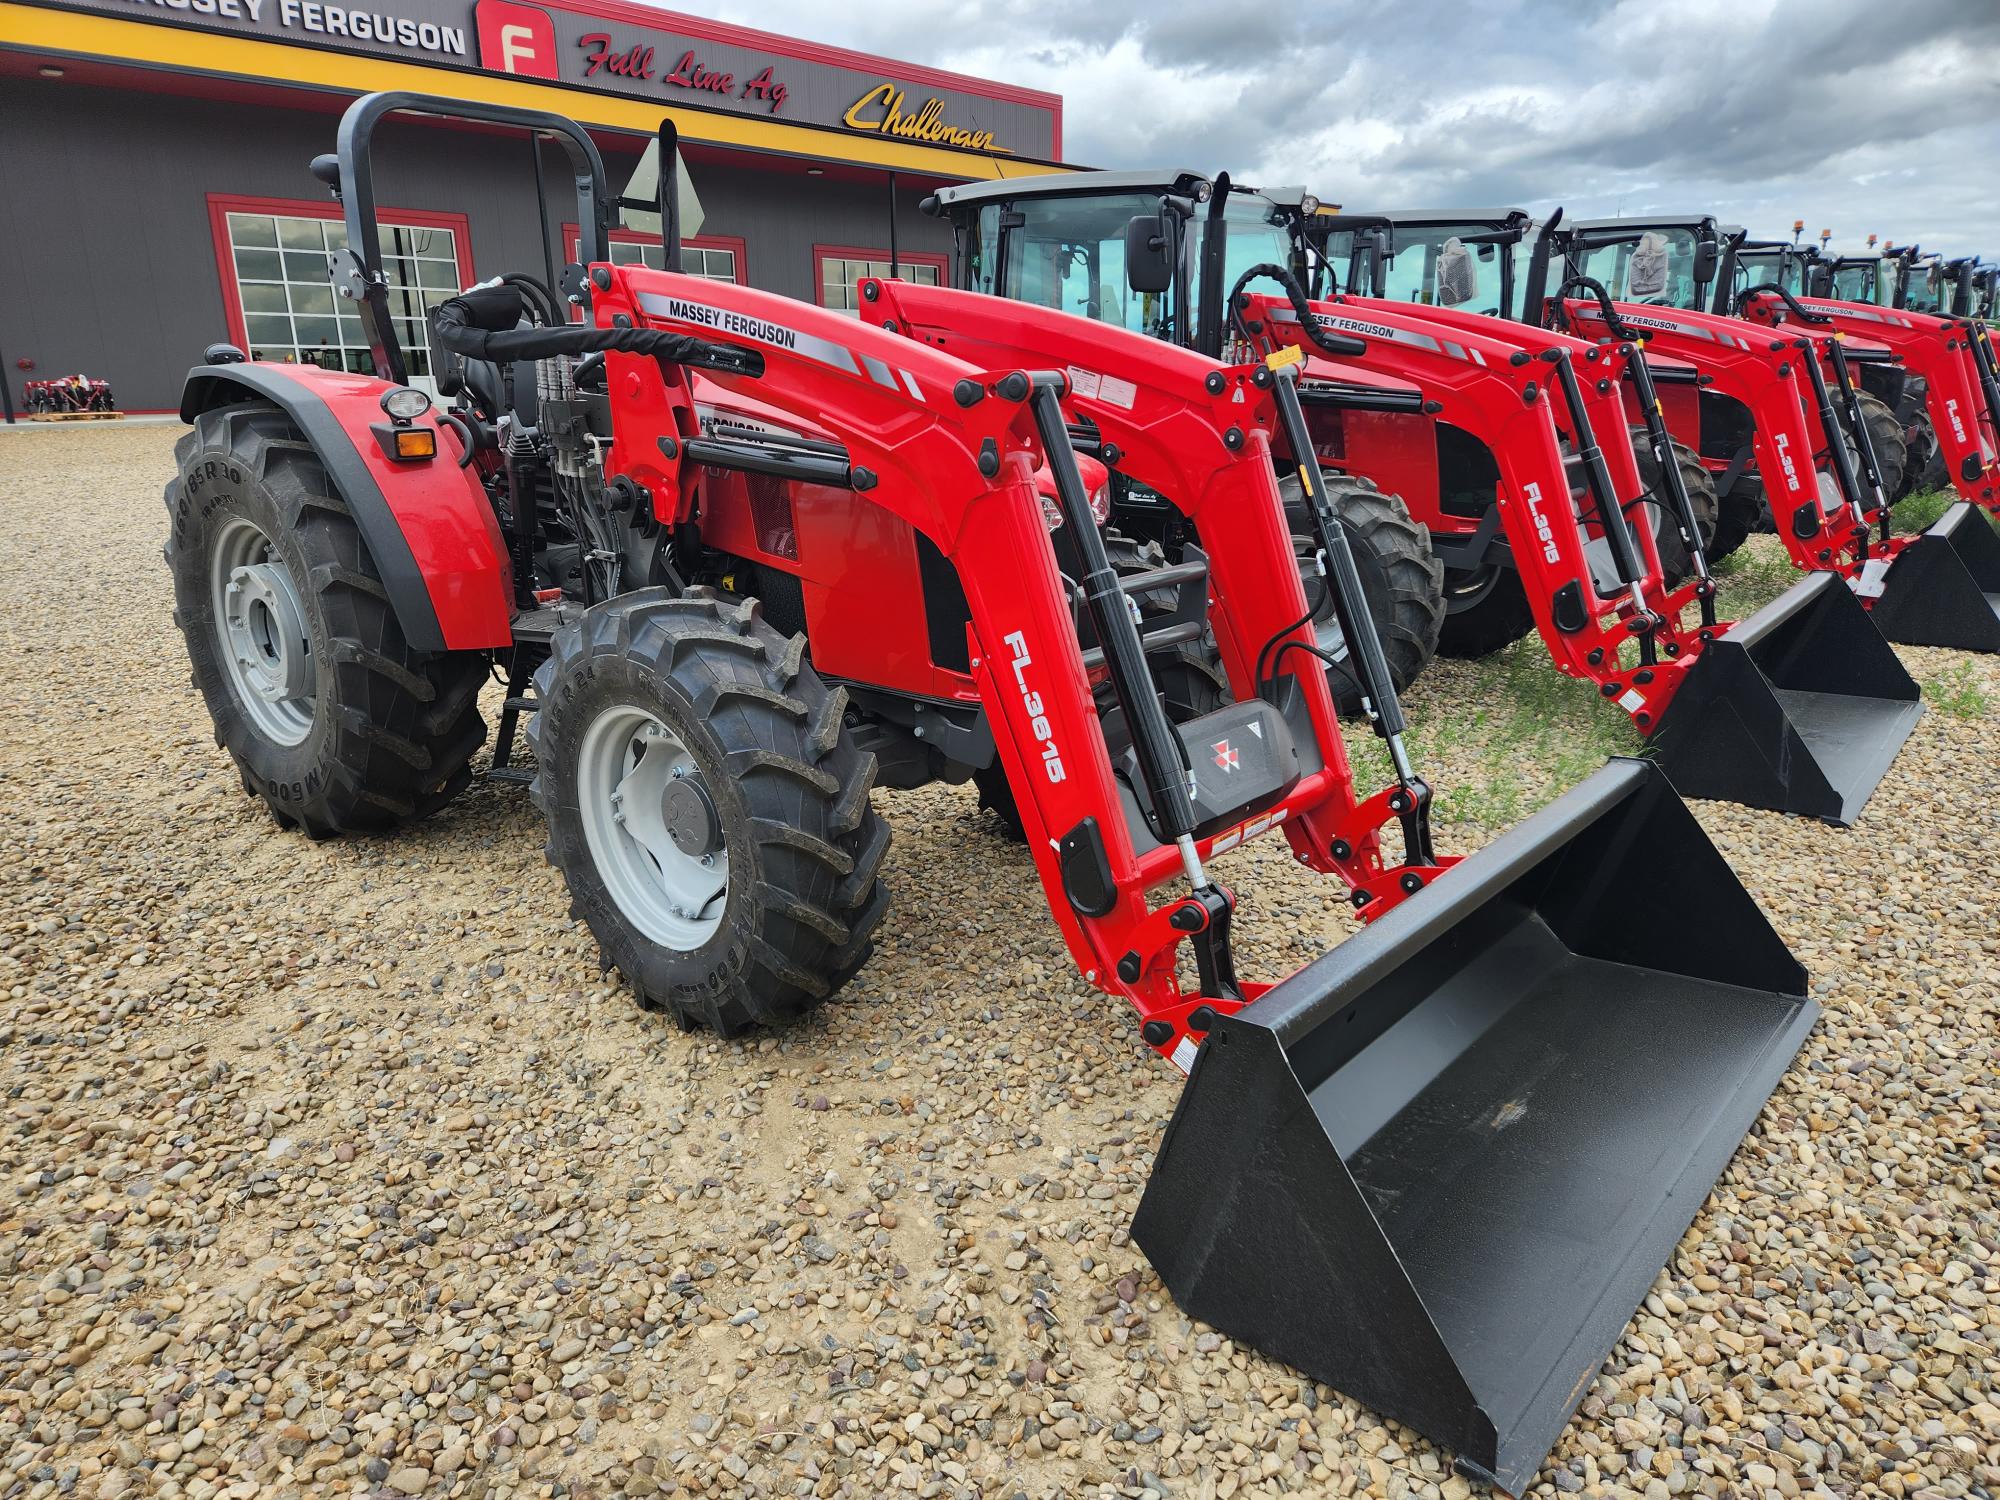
<point x="340" y="1168"/>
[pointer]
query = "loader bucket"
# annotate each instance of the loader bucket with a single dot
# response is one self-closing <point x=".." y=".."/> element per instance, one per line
<point x="1945" y="588"/>
<point x="1439" y="1167"/>
<point x="1800" y="708"/>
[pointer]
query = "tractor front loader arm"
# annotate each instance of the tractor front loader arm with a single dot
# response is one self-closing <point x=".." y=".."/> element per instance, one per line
<point x="1526" y="393"/>
<point x="953" y="449"/>
<point x="1201" y="435"/>
<point x="1951" y="357"/>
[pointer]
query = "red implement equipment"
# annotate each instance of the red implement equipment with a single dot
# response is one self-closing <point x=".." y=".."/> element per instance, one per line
<point x="1397" y="1167"/>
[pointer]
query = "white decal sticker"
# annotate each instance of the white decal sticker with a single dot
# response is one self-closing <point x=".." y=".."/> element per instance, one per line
<point x="1083" y="382"/>
<point x="1118" y="393"/>
<point x="1031" y="700"/>
<point x="761" y="330"/>
<point x="1184" y="1053"/>
<point x="1633" y="701"/>
<point x="1874" y="578"/>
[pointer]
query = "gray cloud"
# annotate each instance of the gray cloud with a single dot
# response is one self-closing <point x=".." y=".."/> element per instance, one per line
<point x="1854" y="115"/>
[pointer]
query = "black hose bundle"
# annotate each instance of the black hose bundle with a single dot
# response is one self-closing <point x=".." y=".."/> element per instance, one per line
<point x="1772" y="289"/>
<point x="1602" y="296"/>
<point x="481" y="324"/>
<point x="1335" y="345"/>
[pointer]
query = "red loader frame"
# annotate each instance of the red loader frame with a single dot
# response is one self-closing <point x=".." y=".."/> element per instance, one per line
<point x="1827" y="501"/>
<point x="921" y="425"/>
<point x="1951" y="355"/>
<point x="1621" y="626"/>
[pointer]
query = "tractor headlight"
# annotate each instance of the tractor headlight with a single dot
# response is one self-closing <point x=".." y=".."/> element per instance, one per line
<point x="1100" y="504"/>
<point x="405" y="403"/>
<point x="1309" y="204"/>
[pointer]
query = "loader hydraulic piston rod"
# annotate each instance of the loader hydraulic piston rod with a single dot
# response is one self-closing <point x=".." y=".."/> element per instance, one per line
<point x="1357" y="625"/>
<point x="1857" y="428"/>
<point x="1670" y="475"/>
<point x="1837" y="450"/>
<point x="1158" y="748"/>
<point x="1597" y="473"/>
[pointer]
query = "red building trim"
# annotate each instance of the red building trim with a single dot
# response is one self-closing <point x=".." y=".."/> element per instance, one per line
<point x="824" y="253"/>
<point x="222" y="205"/>
<point x="572" y="236"/>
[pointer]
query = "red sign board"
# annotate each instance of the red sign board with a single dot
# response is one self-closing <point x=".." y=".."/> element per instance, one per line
<point x="517" y="39"/>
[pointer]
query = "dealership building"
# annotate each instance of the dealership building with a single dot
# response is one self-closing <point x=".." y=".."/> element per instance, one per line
<point x="153" y="164"/>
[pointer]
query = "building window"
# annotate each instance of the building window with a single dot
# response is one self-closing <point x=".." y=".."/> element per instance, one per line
<point x="713" y="257"/>
<point x="839" y="268"/>
<point x="275" y="264"/>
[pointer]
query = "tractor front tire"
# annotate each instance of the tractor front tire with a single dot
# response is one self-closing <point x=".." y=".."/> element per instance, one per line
<point x="1401" y="580"/>
<point x="707" y="808"/>
<point x="1891" y="444"/>
<point x="1700" y="486"/>
<point x="336" y="723"/>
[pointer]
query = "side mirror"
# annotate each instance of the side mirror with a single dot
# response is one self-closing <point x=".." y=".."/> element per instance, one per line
<point x="1706" y="254"/>
<point x="1149" y="254"/>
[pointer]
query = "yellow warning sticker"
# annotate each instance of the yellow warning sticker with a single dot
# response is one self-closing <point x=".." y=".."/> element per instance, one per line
<point x="1291" y="354"/>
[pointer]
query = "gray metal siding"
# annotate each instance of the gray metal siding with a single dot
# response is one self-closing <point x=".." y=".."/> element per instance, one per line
<point x="107" y="260"/>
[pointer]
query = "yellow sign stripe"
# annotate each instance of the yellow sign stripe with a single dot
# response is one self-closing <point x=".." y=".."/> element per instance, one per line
<point x="114" y="40"/>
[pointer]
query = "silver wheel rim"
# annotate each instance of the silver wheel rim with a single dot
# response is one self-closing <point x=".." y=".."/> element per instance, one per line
<point x="629" y="766"/>
<point x="260" y="626"/>
<point x="1327" y="634"/>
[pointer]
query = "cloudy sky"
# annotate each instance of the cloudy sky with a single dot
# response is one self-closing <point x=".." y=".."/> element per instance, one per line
<point x="1856" y="115"/>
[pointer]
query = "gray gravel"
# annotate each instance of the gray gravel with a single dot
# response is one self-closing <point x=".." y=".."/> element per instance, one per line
<point x="339" y="1168"/>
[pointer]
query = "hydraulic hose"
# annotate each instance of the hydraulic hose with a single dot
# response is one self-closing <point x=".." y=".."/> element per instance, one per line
<point x="1334" y="345"/>
<point x="1772" y="289"/>
<point x="1602" y="297"/>
<point x="480" y="324"/>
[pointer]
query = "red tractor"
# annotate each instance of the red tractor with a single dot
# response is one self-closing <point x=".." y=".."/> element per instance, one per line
<point x="1551" y="490"/>
<point x="1828" y="454"/>
<point x="618" y="513"/>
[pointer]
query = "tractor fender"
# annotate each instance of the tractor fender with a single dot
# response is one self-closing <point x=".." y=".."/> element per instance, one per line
<point x="429" y="525"/>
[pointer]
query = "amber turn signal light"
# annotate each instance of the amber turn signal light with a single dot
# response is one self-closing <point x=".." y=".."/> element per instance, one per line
<point x="416" y="442"/>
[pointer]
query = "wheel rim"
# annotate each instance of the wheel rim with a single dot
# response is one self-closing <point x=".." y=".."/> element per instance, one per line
<point x="260" y="625"/>
<point x="652" y="828"/>
<point x="1327" y="634"/>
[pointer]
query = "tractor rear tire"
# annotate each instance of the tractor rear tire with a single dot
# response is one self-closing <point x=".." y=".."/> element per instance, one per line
<point x="760" y="778"/>
<point x="1925" y="469"/>
<point x="1892" y="444"/>
<point x="1737" y="515"/>
<point x="1401" y="579"/>
<point x="333" y="719"/>
<point x="1486" y="609"/>
<point x="1700" y="485"/>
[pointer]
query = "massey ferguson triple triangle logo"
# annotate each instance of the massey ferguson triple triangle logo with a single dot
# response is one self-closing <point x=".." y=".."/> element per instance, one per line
<point x="1225" y="757"/>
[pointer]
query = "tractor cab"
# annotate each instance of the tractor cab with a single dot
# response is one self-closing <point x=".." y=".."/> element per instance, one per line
<point x="1149" y="251"/>
<point x="1460" y="258"/>
<point x="1922" y="285"/>
<point x="1660" y="262"/>
<point x="1856" y="278"/>
<point x="1747" y="263"/>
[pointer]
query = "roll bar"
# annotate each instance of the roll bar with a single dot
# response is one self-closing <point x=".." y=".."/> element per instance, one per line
<point x="357" y="270"/>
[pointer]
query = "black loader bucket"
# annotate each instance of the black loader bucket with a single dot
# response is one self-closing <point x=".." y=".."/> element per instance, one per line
<point x="1800" y="708"/>
<point x="1945" y="588"/>
<point x="1439" y="1167"/>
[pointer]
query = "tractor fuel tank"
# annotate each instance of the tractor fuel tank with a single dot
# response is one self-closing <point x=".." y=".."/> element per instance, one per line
<point x="1439" y="1167"/>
